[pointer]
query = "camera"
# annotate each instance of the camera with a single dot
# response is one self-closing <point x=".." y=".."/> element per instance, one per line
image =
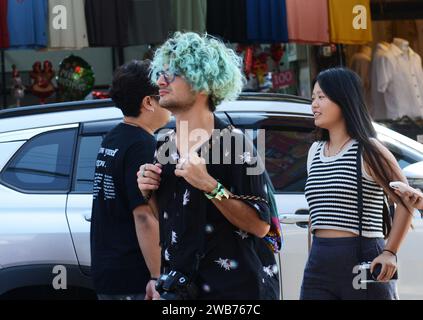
<point x="372" y="276"/>
<point x="176" y="286"/>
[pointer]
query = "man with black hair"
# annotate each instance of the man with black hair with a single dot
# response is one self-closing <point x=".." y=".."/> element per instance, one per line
<point x="125" y="248"/>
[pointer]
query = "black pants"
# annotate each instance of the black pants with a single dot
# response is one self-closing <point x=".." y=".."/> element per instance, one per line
<point x="331" y="272"/>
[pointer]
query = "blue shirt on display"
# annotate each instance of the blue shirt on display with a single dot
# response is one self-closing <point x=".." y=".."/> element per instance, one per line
<point x="27" y="23"/>
<point x="267" y="21"/>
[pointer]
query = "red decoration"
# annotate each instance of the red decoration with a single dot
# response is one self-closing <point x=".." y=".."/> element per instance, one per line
<point x="41" y="80"/>
<point x="249" y="60"/>
<point x="276" y="52"/>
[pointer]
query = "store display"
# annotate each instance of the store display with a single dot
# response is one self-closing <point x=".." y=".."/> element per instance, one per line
<point x="4" y="32"/>
<point x="227" y="19"/>
<point x="400" y="79"/>
<point x="360" y="64"/>
<point x="27" y="23"/>
<point x="350" y="21"/>
<point x="382" y="60"/>
<point x="189" y="15"/>
<point x="18" y="89"/>
<point x="75" y="79"/>
<point x="42" y="77"/>
<point x="149" y="21"/>
<point x="67" y="24"/>
<point x="107" y="22"/>
<point x="308" y="21"/>
<point x="266" y="21"/>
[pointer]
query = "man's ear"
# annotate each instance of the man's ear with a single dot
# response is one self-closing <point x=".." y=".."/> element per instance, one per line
<point x="147" y="104"/>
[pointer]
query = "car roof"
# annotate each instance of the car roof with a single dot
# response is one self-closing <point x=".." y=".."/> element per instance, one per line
<point x="104" y="109"/>
<point x="98" y="110"/>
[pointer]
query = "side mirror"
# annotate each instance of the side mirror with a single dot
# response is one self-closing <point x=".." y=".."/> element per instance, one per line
<point x="414" y="174"/>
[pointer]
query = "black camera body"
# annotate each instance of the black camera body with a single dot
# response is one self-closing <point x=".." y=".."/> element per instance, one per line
<point x="372" y="276"/>
<point x="176" y="286"/>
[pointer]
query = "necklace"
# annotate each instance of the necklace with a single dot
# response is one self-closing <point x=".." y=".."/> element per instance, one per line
<point x="339" y="150"/>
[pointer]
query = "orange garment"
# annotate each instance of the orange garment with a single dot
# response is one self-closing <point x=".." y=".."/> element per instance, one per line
<point x="350" y="21"/>
<point x="308" y="21"/>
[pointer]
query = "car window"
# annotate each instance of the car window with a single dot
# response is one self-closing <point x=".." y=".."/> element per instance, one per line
<point x="404" y="154"/>
<point x="288" y="140"/>
<point x="43" y="163"/>
<point x="85" y="165"/>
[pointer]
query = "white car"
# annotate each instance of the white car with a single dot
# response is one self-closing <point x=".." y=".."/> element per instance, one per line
<point x="47" y="157"/>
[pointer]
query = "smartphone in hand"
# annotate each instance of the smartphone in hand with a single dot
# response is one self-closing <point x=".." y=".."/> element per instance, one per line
<point x="403" y="188"/>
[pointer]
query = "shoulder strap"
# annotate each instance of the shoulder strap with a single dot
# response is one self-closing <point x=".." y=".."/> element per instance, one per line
<point x="360" y="200"/>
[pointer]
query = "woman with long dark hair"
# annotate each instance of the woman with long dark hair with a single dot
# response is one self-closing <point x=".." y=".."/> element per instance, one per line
<point x="349" y="172"/>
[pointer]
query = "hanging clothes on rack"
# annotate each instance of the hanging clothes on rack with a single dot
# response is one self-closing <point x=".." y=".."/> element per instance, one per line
<point x="227" y="19"/>
<point x="149" y="21"/>
<point x="266" y="21"/>
<point x="308" y="21"/>
<point x="27" y="23"/>
<point x="189" y="15"/>
<point x="107" y="22"/>
<point x="349" y="23"/>
<point x="360" y="64"/>
<point x="72" y="33"/>
<point x="401" y="82"/>
<point x="382" y="63"/>
<point x="4" y="32"/>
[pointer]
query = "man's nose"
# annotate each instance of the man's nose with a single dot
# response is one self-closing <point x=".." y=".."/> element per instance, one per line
<point x="161" y="81"/>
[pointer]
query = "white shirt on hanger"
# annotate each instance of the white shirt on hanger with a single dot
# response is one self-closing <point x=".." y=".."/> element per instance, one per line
<point x="75" y="35"/>
<point x="402" y="83"/>
<point x="383" y="61"/>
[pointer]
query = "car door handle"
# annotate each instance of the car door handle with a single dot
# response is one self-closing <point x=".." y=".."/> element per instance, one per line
<point x="293" y="218"/>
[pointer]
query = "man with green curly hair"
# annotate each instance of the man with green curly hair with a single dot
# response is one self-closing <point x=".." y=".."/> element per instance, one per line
<point x="212" y="242"/>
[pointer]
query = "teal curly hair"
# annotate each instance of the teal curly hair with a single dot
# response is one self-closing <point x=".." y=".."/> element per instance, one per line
<point x="205" y="62"/>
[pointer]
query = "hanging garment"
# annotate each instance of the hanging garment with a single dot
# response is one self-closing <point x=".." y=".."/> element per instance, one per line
<point x="350" y="21"/>
<point x="27" y="23"/>
<point x="70" y="33"/>
<point x="308" y="21"/>
<point x="107" y="22"/>
<point x="227" y="19"/>
<point x="149" y="21"/>
<point x="4" y="32"/>
<point x="266" y="21"/>
<point x="189" y="15"/>
<point x="360" y="64"/>
<point x="382" y="62"/>
<point x="402" y="84"/>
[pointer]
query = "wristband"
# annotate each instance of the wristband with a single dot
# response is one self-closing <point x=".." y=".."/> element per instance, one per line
<point x="218" y="193"/>
<point x="391" y="252"/>
<point x="153" y="278"/>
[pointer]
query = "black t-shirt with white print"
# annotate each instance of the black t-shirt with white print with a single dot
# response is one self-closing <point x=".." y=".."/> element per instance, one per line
<point x="233" y="264"/>
<point x="117" y="263"/>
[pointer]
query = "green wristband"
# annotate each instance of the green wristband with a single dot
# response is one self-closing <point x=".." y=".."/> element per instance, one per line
<point x="218" y="193"/>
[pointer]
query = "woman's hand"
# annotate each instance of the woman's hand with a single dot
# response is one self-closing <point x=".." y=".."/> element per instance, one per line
<point x="414" y="200"/>
<point x="389" y="266"/>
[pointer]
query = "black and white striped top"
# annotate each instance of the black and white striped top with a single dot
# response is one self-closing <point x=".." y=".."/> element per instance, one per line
<point x="331" y="192"/>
